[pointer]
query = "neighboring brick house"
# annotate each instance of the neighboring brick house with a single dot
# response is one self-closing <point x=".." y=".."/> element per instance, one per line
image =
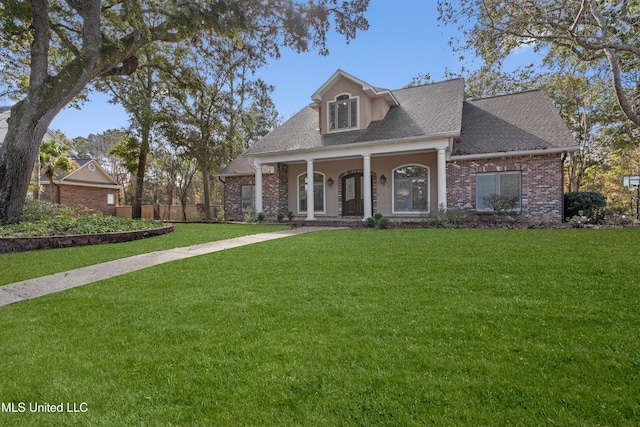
<point x="88" y="185"/>
<point x="403" y="153"/>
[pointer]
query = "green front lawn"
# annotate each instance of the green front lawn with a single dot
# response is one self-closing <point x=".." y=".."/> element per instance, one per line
<point x="346" y="327"/>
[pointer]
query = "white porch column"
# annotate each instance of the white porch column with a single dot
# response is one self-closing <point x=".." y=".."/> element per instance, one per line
<point x="258" y="201"/>
<point x="310" y="188"/>
<point x="442" y="179"/>
<point x="366" y="176"/>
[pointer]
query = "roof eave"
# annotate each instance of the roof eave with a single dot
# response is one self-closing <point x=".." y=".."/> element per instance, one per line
<point x="553" y="150"/>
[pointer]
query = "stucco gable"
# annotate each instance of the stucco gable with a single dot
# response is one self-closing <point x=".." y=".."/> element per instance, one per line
<point x="88" y="172"/>
<point x="370" y="90"/>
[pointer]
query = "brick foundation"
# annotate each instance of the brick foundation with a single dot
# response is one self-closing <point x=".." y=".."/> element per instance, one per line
<point x="542" y="183"/>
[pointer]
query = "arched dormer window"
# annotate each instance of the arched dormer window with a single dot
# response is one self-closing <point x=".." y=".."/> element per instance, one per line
<point x="342" y="113"/>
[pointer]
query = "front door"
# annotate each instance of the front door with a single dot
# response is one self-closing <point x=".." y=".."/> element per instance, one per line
<point x="353" y="195"/>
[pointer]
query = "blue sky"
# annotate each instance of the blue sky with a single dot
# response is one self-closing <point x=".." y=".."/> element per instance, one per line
<point x="403" y="40"/>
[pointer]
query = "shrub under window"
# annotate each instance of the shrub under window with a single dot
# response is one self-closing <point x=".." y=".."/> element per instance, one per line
<point x="491" y="185"/>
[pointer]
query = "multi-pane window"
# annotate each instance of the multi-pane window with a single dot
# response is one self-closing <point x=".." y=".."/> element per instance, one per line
<point x="343" y="113"/>
<point x="411" y="189"/>
<point x="318" y="192"/>
<point x="248" y="198"/>
<point x="498" y="183"/>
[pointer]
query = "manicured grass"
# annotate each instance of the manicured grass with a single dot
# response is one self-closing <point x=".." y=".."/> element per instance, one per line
<point x="15" y="267"/>
<point x="369" y="327"/>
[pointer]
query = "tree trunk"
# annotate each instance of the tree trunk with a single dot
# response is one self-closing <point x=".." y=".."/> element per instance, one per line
<point x="183" y="202"/>
<point x="145" y="143"/>
<point x="207" y="190"/>
<point x="27" y="126"/>
<point x="36" y="175"/>
<point x="52" y="190"/>
<point x="136" y="211"/>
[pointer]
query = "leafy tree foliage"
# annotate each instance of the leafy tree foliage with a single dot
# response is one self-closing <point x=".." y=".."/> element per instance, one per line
<point x="602" y="34"/>
<point x="54" y="49"/>
<point x="217" y="109"/>
<point x="142" y="95"/>
<point x="53" y="159"/>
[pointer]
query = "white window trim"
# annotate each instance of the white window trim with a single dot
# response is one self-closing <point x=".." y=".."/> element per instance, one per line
<point x="335" y="100"/>
<point x="324" y="194"/>
<point x="519" y="208"/>
<point x="393" y="190"/>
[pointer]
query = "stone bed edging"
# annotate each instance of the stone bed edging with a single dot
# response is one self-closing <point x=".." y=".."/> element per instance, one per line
<point x="23" y="244"/>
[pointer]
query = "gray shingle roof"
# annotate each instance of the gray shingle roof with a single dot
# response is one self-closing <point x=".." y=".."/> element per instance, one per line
<point x="425" y="111"/>
<point x="517" y="122"/>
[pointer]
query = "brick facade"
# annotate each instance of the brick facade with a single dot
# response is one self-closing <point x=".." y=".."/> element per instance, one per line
<point x="542" y="183"/>
<point x="94" y="198"/>
<point x="541" y="180"/>
<point x="274" y="189"/>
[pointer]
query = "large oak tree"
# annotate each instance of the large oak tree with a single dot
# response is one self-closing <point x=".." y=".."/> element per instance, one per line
<point x="65" y="45"/>
<point x="600" y="33"/>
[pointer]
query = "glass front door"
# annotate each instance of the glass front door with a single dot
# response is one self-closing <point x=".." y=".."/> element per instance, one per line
<point x="353" y="195"/>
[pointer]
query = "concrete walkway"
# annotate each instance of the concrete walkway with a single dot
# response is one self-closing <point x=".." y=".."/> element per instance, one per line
<point x="33" y="288"/>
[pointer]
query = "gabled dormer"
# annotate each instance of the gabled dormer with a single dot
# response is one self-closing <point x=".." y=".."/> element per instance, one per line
<point x="345" y="103"/>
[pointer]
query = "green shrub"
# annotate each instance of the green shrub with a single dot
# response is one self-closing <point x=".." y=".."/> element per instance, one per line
<point x="383" y="223"/>
<point x="444" y="217"/>
<point x="251" y="217"/>
<point x="583" y="204"/>
<point x="261" y="217"/>
<point x="290" y="215"/>
<point x="377" y="221"/>
<point x="501" y="202"/>
<point x="36" y="210"/>
<point x="280" y="216"/>
<point x="64" y="223"/>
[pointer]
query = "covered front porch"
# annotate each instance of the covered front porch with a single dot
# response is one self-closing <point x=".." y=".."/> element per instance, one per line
<point x="356" y="185"/>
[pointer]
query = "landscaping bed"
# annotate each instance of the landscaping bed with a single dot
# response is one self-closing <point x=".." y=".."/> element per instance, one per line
<point x="47" y="226"/>
<point x="30" y="243"/>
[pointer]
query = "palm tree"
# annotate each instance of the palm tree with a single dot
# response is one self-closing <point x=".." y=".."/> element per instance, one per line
<point x="53" y="158"/>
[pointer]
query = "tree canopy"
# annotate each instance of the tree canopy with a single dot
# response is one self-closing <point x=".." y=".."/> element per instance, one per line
<point x="602" y="34"/>
<point x="51" y="50"/>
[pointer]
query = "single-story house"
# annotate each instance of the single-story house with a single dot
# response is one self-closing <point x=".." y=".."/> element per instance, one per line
<point x="402" y="153"/>
<point x="88" y="185"/>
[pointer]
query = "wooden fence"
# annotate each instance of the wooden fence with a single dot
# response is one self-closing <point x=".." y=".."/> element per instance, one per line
<point x="169" y="213"/>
